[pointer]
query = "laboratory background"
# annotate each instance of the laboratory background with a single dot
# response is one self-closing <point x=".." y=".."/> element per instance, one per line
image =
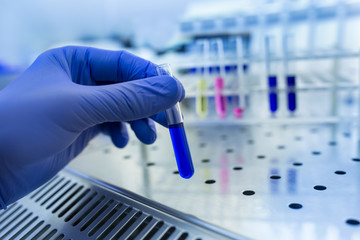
<point x="271" y="114"/>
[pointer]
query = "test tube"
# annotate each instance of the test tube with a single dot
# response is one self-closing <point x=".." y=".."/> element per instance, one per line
<point x="290" y="73"/>
<point x="220" y="99"/>
<point x="219" y="85"/>
<point x="273" y="97"/>
<point x="177" y="132"/>
<point x="201" y="101"/>
<point x="241" y="69"/>
<point x="272" y="79"/>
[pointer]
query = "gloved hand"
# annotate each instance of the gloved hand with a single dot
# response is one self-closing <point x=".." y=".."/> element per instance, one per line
<point x="66" y="97"/>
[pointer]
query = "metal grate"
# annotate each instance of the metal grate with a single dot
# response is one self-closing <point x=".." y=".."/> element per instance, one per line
<point x="71" y="206"/>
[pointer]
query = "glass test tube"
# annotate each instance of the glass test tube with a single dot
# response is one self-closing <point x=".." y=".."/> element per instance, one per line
<point x="241" y="69"/>
<point x="177" y="133"/>
<point x="272" y="79"/>
<point x="219" y="85"/>
<point x="220" y="99"/>
<point x="290" y="73"/>
<point x="201" y="101"/>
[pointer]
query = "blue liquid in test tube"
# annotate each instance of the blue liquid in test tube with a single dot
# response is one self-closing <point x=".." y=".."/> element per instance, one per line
<point x="291" y="92"/>
<point x="270" y="69"/>
<point x="177" y="133"/>
<point x="289" y="66"/>
<point x="273" y="98"/>
<point x="181" y="150"/>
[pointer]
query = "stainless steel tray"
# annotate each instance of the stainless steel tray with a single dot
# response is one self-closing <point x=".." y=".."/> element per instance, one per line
<point x="74" y="206"/>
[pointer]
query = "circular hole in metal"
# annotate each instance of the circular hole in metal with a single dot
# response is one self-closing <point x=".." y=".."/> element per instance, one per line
<point x="175" y="172"/>
<point x="347" y="135"/>
<point x="281" y="147"/>
<point x="320" y="187"/>
<point x="332" y="143"/>
<point x="316" y="153"/>
<point x="356" y="159"/>
<point x="150" y="164"/>
<point x="295" y="205"/>
<point x="297" y="164"/>
<point x="127" y="156"/>
<point x="339" y="172"/>
<point x="229" y="150"/>
<point x="353" y="222"/>
<point x="261" y="156"/>
<point x="237" y="168"/>
<point x="206" y="160"/>
<point x="275" y="177"/>
<point x="248" y="192"/>
<point x="210" y="181"/>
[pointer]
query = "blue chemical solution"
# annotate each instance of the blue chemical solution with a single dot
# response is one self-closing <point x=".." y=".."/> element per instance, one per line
<point x="181" y="150"/>
<point x="273" y="98"/>
<point x="291" y="93"/>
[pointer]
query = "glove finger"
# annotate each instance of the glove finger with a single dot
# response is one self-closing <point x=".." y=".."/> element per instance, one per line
<point x="90" y="65"/>
<point x="117" y="132"/>
<point x="144" y="130"/>
<point x="160" y="118"/>
<point x="130" y="100"/>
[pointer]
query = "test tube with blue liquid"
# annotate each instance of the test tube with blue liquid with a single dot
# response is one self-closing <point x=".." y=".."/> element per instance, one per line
<point x="177" y="132"/>
<point x="270" y="70"/>
<point x="290" y="73"/>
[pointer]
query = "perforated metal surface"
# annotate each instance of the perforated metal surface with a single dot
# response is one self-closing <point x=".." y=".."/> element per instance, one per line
<point x="263" y="181"/>
<point x="73" y="207"/>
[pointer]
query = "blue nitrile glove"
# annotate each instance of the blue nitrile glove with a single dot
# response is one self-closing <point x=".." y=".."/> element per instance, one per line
<point x="66" y="97"/>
